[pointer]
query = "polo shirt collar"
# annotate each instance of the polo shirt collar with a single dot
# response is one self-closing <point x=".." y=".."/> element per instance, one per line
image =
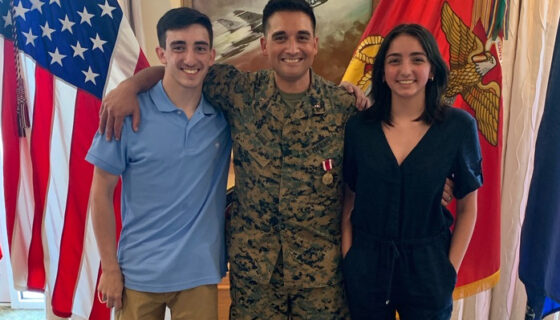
<point x="164" y="104"/>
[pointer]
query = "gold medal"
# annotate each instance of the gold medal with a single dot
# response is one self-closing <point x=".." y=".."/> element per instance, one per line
<point x="328" y="178"/>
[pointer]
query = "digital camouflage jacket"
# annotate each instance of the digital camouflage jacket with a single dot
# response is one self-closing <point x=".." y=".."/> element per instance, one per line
<point x="284" y="203"/>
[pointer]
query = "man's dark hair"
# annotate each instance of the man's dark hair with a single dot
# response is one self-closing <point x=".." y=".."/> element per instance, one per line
<point x="274" y="6"/>
<point x="180" y="18"/>
<point x="435" y="88"/>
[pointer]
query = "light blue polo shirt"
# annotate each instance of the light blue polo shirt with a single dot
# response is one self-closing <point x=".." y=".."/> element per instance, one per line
<point x="174" y="175"/>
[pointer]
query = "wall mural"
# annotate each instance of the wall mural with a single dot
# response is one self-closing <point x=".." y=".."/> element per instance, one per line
<point x="238" y="28"/>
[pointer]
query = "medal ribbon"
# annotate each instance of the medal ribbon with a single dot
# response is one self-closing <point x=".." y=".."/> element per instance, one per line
<point x="327" y="165"/>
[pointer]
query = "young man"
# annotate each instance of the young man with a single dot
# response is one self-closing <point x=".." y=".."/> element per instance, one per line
<point x="171" y="250"/>
<point x="287" y="126"/>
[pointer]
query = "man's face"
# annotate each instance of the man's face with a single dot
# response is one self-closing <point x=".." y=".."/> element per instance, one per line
<point x="187" y="57"/>
<point x="290" y="46"/>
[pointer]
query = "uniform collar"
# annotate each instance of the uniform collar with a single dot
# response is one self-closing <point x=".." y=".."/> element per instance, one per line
<point x="314" y="99"/>
<point x="164" y="104"/>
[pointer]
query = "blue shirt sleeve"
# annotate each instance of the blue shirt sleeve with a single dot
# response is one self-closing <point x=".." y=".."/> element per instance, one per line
<point x="109" y="155"/>
<point x="467" y="171"/>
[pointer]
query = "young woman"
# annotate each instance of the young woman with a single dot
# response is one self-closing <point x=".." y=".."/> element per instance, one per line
<point x="399" y="252"/>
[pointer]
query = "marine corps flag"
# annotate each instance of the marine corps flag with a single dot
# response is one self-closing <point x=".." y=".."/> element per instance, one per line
<point x="464" y="31"/>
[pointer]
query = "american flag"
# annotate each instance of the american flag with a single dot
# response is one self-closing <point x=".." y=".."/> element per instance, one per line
<point x="69" y="54"/>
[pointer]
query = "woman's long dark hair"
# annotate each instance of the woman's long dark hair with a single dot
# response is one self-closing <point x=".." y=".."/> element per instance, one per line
<point x="381" y="93"/>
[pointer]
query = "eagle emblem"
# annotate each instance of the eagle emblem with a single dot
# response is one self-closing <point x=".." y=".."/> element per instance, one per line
<point x="469" y="62"/>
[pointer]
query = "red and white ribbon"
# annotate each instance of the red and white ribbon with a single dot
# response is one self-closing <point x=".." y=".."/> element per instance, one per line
<point x="327" y="165"/>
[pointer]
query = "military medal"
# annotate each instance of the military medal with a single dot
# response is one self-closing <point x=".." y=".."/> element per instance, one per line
<point x="327" y="177"/>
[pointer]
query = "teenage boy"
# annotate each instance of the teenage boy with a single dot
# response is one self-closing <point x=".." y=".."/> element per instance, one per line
<point x="171" y="250"/>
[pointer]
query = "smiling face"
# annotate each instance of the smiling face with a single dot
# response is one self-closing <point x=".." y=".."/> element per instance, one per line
<point x="187" y="56"/>
<point x="290" y="46"/>
<point x="407" y="68"/>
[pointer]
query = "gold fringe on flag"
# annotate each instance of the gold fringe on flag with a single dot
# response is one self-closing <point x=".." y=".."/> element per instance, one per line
<point x="476" y="287"/>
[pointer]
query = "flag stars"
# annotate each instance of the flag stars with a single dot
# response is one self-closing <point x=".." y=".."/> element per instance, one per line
<point x="90" y="75"/>
<point x="97" y="43"/>
<point x="29" y="38"/>
<point x="20" y="11"/>
<point x="78" y="50"/>
<point x="7" y="19"/>
<point x="86" y="16"/>
<point x="47" y="31"/>
<point x="55" y="1"/>
<point x="56" y="57"/>
<point x="107" y="9"/>
<point x="66" y="24"/>
<point x="37" y="4"/>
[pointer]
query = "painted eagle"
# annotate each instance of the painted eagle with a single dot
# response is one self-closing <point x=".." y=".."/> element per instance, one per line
<point x="469" y="62"/>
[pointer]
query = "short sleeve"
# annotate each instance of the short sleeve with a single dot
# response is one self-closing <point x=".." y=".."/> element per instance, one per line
<point x="349" y="168"/>
<point x="467" y="171"/>
<point x="109" y="155"/>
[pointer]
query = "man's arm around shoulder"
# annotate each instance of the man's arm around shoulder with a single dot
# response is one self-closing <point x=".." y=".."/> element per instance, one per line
<point x="122" y="102"/>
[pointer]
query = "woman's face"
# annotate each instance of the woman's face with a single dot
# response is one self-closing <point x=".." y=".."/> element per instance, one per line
<point x="407" y="68"/>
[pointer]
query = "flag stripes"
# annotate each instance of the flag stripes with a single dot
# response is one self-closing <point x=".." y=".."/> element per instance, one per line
<point x="67" y="66"/>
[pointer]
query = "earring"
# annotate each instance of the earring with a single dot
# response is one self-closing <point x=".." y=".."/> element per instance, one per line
<point x="432" y="78"/>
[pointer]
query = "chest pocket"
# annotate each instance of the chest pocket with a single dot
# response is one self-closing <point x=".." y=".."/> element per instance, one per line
<point x="322" y="138"/>
<point x="255" y="145"/>
<point x="321" y="122"/>
<point x="257" y="133"/>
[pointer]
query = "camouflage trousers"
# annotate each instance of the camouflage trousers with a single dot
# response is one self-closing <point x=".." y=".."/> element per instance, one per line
<point x="250" y="300"/>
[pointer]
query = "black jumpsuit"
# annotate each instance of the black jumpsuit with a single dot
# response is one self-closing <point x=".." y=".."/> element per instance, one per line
<point x="401" y="232"/>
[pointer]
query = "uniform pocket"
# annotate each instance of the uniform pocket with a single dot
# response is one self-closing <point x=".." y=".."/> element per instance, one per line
<point x="255" y="146"/>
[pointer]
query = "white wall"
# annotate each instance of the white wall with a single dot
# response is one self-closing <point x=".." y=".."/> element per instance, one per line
<point x="150" y="12"/>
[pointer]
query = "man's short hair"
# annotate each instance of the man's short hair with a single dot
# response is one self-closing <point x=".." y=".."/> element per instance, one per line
<point x="180" y="18"/>
<point x="274" y="6"/>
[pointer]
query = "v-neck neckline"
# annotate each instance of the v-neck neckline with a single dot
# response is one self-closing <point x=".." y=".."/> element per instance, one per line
<point x="411" y="152"/>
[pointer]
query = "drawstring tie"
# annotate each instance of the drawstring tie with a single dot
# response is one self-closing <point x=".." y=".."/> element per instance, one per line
<point x="394" y="256"/>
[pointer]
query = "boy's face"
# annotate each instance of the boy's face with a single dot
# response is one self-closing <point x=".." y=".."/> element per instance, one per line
<point x="187" y="57"/>
<point x="290" y="46"/>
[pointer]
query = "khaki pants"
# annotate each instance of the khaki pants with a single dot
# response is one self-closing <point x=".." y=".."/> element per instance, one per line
<point x="199" y="303"/>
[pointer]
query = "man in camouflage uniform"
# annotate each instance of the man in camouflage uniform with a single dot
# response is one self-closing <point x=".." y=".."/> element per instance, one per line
<point x="284" y="234"/>
<point x="287" y="126"/>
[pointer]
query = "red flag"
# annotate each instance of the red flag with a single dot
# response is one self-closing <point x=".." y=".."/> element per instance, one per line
<point x="475" y="86"/>
<point x="68" y="55"/>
